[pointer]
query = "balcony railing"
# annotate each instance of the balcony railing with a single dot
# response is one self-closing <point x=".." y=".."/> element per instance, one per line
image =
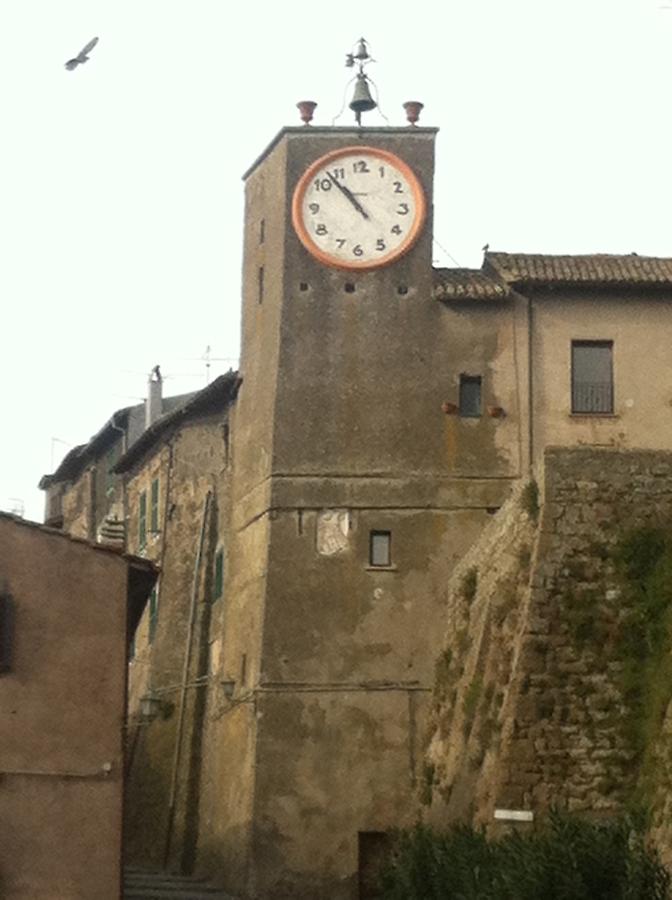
<point x="592" y="397"/>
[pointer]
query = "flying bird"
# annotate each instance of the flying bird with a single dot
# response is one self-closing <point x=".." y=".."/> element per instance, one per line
<point x="81" y="56"/>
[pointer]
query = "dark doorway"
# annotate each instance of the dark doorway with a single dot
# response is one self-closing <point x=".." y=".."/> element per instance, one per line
<point x="373" y="847"/>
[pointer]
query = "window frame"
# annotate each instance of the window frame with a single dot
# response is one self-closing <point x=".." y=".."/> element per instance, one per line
<point x="6" y="631"/>
<point x="466" y="379"/>
<point x="378" y="533"/>
<point x="574" y="384"/>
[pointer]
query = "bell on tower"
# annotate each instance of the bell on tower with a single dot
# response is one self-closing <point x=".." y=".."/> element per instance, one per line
<point x="362" y="101"/>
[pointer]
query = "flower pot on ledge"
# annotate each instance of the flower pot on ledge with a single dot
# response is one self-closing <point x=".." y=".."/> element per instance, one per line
<point x="450" y="409"/>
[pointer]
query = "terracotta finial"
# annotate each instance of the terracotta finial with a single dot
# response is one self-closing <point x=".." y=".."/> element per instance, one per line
<point x="413" y="108"/>
<point x="306" y="109"/>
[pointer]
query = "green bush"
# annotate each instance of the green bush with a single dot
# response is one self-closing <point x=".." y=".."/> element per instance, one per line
<point x="469" y="584"/>
<point x="529" y="500"/>
<point x="568" y="859"/>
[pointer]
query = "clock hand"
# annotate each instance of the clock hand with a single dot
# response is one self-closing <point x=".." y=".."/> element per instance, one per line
<point x="348" y="193"/>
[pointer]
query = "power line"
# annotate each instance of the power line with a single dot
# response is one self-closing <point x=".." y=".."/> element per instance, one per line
<point x="449" y="255"/>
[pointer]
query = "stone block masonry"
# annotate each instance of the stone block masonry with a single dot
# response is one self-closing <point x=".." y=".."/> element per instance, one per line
<point x="534" y="692"/>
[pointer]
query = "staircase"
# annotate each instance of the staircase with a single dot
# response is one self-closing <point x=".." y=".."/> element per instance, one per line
<point x="141" y="884"/>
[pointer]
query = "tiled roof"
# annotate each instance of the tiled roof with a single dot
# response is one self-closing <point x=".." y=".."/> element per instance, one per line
<point x="69" y="467"/>
<point x="217" y="395"/>
<point x="468" y="284"/>
<point x="593" y="269"/>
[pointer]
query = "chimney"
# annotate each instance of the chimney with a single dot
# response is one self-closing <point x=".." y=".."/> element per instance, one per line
<point x="154" y="402"/>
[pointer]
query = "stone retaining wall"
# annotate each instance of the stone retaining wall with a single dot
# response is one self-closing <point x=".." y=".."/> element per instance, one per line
<point x="529" y="709"/>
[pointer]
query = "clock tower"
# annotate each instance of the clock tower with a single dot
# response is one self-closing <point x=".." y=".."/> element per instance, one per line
<point x="339" y="536"/>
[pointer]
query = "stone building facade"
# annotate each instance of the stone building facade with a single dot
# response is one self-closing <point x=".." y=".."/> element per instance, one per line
<point x="176" y="484"/>
<point x="84" y="496"/>
<point x="380" y="420"/>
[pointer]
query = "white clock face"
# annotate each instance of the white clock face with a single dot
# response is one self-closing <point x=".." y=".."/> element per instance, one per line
<point x="358" y="208"/>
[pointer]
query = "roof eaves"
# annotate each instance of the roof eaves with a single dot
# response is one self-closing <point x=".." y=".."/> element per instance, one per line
<point x="76" y="459"/>
<point x="457" y="285"/>
<point x="585" y="270"/>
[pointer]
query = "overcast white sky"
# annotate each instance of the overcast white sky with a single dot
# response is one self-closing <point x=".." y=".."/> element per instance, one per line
<point x="121" y="202"/>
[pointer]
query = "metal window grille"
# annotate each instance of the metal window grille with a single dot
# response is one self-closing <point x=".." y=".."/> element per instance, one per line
<point x="592" y="377"/>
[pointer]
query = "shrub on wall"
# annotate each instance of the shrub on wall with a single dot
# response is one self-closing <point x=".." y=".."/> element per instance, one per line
<point x="529" y="499"/>
<point x="644" y="645"/>
<point x="567" y="858"/>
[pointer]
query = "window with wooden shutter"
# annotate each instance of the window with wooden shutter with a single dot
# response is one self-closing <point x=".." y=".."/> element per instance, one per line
<point x="142" y="520"/>
<point x="154" y="507"/>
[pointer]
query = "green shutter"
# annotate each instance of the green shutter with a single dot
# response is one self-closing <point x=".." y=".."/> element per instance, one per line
<point x="111" y="460"/>
<point x="142" y="520"/>
<point x="154" y="515"/>
<point x="153" y="614"/>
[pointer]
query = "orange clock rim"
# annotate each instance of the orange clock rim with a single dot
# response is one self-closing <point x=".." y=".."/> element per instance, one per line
<point x="328" y="259"/>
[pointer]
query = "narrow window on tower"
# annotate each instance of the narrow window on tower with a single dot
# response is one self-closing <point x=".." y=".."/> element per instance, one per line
<point x="260" y="285"/>
<point x="6" y="631"/>
<point x="262" y="231"/>
<point x="226" y="435"/>
<point x="470" y="396"/>
<point x="380" y="549"/>
<point x="142" y="520"/>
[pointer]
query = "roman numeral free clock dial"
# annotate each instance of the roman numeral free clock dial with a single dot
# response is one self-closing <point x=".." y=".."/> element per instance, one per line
<point x="358" y="208"/>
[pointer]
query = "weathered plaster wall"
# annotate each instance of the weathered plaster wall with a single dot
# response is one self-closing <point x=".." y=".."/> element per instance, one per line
<point x="639" y="327"/>
<point x="230" y="727"/>
<point x="93" y="495"/>
<point x="62" y="711"/>
<point x="529" y="705"/>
